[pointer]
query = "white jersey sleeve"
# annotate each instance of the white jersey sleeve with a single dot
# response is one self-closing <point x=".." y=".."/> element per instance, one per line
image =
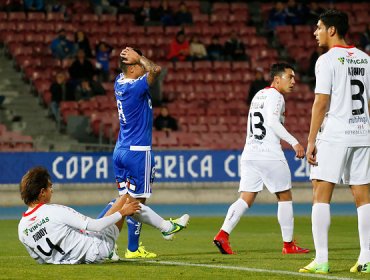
<point x="323" y="72"/>
<point x="78" y="221"/>
<point x="275" y="106"/>
<point x="100" y="224"/>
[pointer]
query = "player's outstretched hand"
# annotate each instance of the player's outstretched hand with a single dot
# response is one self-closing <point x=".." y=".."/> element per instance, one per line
<point x="130" y="56"/>
<point x="130" y="208"/>
<point x="299" y="150"/>
<point x="311" y="153"/>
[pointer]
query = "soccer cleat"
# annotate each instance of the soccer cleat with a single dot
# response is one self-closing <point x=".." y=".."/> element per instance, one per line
<point x="140" y="253"/>
<point x="313" y="267"/>
<point x="293" y="248"/>
<point x="113" y="256"/>
<point x="177" y="225"/>
<point x="221" y="241"/>
<point x="366" y="268"/>
<point x="356" y="268"/>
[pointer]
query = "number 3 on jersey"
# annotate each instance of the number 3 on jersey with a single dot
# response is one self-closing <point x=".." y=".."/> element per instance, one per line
<point x="358" y="97"/>
<point x="258" y="125"/>
<point x="121" y="115"/>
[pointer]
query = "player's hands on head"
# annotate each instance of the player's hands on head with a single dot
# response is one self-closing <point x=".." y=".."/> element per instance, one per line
<point x="130" y="208"/>
<point x="130" y="56"/>
<point x="299" y="150"/>
<point x="311" y="153"/>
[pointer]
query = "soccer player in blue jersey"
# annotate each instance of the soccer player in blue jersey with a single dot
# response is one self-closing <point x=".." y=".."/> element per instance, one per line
<point x="132" y="157"/>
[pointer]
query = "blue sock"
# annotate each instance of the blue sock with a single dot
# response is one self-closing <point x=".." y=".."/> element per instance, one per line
<point x="105" y="210"/>
<point x="133" y="230"/>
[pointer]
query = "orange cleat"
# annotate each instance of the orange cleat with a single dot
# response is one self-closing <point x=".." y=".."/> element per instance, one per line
<point x="293" y="248"/>
<point x="221" y="240"/>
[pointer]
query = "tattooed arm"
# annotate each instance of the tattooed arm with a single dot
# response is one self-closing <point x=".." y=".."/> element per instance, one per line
<point x="153" y="69"/>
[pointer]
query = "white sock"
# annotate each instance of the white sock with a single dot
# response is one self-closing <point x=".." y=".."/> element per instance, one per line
<point x="149" y="217"/>
<point x="286" y="220"/>
<point x="320" y="230"/>
<point x="236" y="210"/>
<point x="363" y="213"/>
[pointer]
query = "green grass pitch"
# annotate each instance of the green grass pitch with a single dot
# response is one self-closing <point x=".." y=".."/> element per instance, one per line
<point x="192" y="254"/>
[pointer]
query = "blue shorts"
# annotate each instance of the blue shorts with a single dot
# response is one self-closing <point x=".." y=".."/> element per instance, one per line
<point x="134" y="172"/>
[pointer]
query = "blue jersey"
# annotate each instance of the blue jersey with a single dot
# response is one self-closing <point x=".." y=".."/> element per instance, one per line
<point x="135" y="112"/>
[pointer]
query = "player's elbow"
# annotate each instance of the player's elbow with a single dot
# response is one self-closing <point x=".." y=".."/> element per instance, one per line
<point x="157" y="69"/>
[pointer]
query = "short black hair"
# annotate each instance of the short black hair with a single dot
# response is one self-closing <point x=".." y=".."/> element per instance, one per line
<point x="123" y="65"/>
<point x="337" y="19"/>
<point x="278" y="69"/>
<point x="32" y="182"/>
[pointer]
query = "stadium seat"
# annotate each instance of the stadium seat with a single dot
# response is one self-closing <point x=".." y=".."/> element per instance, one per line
<point x="54" y="17"/>
<point x="17" y="16"/>
<point x="168" y="141"/>
<point x="200" y="19"/>
<point x="106" y="19"/>
<point x="184" y="65"/>
<point x="221" y="8"/>
<point x="3" y="16"/>
<point x="188" y="139"/>
<point x="36" y="17"/>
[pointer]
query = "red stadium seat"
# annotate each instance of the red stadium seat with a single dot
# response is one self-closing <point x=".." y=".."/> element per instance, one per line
<point x="55" y="17"/>
<point x="37" y="17"/>
<point x="200" y="19"/>
<point x="219" y="7"/>
<point x="3" y="16"/>
<point x="169" y="140"/>
<point x="17" y="16"/>
<point x="108" y="19"/>
<point x="189" y="139"/>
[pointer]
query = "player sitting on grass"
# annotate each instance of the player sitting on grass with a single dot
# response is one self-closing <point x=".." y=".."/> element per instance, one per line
<point x="58" y="234"/>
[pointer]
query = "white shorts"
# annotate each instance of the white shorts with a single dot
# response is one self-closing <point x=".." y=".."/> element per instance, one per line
<point x="103" y="244"/>
<point x="341" y="164"/>
<point x="274" y="174"/>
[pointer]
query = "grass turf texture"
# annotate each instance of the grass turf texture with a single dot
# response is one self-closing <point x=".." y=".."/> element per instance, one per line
<point x="257" y="240"/>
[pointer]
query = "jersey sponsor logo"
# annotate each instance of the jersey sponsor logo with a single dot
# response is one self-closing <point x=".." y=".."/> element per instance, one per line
<point x="358" y="119"/>
<point x="40" y="234"/>
<point x="36" y="226"/>
<point x="356" y="61"/>
<point x="352" y="60"/>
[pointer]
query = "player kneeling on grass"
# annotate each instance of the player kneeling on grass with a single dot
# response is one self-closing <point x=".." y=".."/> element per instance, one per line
<point x="58" y="234"/>
<point x="263" y="160"/>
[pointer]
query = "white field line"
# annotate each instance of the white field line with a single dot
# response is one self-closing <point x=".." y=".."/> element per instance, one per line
<point x="257" y="270"/>
<point x="226" y="267"/>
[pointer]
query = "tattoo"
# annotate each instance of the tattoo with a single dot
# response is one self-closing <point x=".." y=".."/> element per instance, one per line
<point x="153" y="69"/>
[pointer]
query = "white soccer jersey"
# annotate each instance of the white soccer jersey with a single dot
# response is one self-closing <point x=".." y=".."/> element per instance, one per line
<point x="265" y="129"/>
<point x="55" y="234"/>
<point x="343" y="73"/>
